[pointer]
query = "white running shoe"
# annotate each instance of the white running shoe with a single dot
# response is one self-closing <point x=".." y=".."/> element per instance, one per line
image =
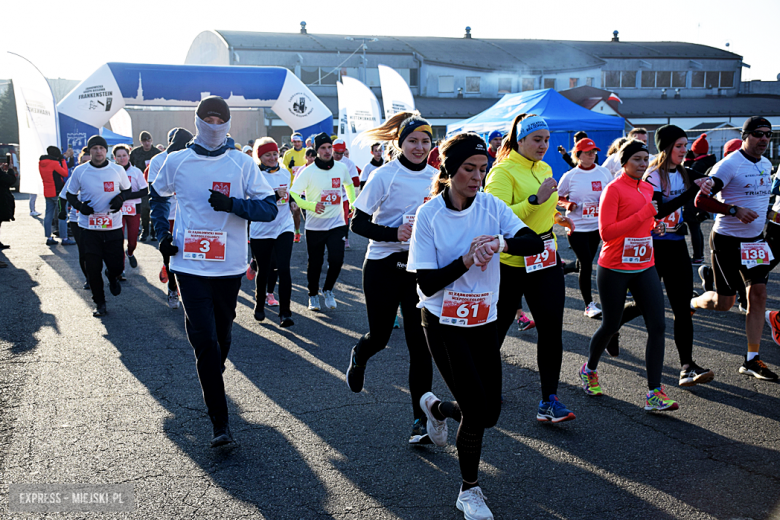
<point x="330" y="300"/>
<point x="437" y="430"/>
<point x="592" y="310"/>
<point x="314" y="303"/>
<point x="35" y="214"/>
<point x="173" y="299"/>
<point x="472" y="503"/>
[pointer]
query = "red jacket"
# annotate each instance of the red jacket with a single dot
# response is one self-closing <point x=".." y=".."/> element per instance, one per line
<point x="626" y="211"/>
<point x="48" y="167"/>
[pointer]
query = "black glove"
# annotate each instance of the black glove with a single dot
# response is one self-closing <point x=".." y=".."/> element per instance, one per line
<point x="116" y="203"/>
<point x="292" y="163"/>
<point x="166" y="246"/>
<point x="85" y="208"/>
<point x="220" y="201"/>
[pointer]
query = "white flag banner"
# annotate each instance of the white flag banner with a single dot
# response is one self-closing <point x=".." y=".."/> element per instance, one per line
<point x="358" y="111"/>
<point x="396" y="96"/>
<point x="37" y="116"/>
<point x="121" y="123"/>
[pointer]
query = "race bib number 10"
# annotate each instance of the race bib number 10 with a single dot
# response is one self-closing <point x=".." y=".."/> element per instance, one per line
<point x="543" y="260"/>
<point x="637" y="250"/>
<point x="755" y="253"/>
<point x="128" y="208"/>
<point x="465" y="309"/>
<point x="205" y="245"/>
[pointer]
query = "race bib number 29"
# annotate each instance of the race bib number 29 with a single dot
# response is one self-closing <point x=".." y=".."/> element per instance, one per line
<point x="205" y="245"/>
<point x="543" y="260"/>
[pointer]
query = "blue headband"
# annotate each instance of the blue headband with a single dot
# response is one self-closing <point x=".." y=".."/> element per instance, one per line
<point x="494" y="134"/>
<point x="530" y="125"/>
<point x="414" y="125"/>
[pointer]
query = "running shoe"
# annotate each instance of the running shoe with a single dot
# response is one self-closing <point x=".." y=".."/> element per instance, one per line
<point x="419" y="433"/>
<point x="758" y="369"/>
<point x="472" y="503"/>
<point x="132" y="260"/>
<point x="592" y="310"/>
<point x="396" y="325"/>
<point x="122" y="277"/>
<point x="525" y="323"/>
<point x="113" y="285"/>
<point x="657" y="400"/>
<point x="51" y="242"/>
<point x="6" y="246"/>
<point x="164" y="275"/>
<point x="35" y="214"/>
<point x="286" y="321"/>
<point x="692" y="374"/>
<point x="773" y="319"/>
<point x="270" y="300"/>
<point x="590" y="380"/>
<point x="330" y="300"/>
<point x="68" y="242"/>
<point x="742" y="308"/>
<point x="250" y="272"/>
<point x="314" y="303"/>
<point x="86" y="286"/>
<point x="346" y="244"/>
<point x="355" y="373"/>
<point x="707" y="280"/>
<point x="173" y="299"/>
<point x="259" y="310"/>
<point x="222" y="435"/>
<point x="438" y="429"/>
<point x="100" y="310"/>
<point x="297" y="238"/>
<point x="697" y="261"/>
<point x="553" y="411"/>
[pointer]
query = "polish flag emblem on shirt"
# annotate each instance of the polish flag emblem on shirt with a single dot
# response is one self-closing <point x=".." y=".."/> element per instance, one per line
<point x="108" y="187"/>
<point x="222" y="187"/>
<point x="335" y="183"/>
<point x="596" y="185"/>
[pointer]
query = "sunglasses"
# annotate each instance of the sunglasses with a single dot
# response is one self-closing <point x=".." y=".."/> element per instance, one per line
<point x="759" y="134"/>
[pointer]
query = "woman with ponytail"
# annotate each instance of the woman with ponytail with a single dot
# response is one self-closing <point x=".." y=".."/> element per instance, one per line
<point x="525" y="183"/>
<point x="454" y="240"/>
<point x="384" y="213"/>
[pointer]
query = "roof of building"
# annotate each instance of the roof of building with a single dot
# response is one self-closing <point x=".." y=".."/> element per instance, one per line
<point x="738" y="106"/>
<point x="477" y="53"/>
<point x="433" y="108"/>
<point x="589" y="97"/>
<point x="709" y="126"/>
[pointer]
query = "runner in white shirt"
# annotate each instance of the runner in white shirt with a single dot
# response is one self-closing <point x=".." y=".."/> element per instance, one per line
<point x="454" y="248"/>
<point x="271" y="242"/>
<point x="579" y="190"/>
<point x="97" y="191"/>
<point x="322" y="182"/>
<point x="218" y="189"/>
<point x="75" y="230"/>
<point x="742" y="188"/>
<point x="341" y="154"/>
<point x="384" y="213"/>
<point x="375" y="162"/>
<point x="131" y="216"/>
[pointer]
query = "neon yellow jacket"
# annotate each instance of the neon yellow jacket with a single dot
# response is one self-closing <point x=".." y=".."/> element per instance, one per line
<point x="515" y="179"/>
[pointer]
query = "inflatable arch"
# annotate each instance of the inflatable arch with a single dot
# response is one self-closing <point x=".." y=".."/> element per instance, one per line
<point x="95" y="100"/>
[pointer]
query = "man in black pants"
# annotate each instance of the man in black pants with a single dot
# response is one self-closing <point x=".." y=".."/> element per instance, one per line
<point x="140" y="157"/>
<point x="97" y="190"/>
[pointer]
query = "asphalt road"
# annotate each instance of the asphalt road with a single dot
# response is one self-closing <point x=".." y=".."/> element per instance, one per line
<point x="117" y="400"/>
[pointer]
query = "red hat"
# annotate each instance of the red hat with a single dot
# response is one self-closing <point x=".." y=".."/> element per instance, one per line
<point x="586" y="145"/>
<point x="732" y="146"/>
<point x="339" y="145"/>
<point x="701" y="146"/>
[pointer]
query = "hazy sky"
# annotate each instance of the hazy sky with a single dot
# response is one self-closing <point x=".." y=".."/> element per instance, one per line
<point x="71" y="39"/>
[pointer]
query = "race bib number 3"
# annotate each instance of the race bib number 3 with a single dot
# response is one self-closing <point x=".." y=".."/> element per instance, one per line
<point x="755" y="253"/>
<point x="100" y="221"/>
<point x="205" y="245"/>
<point x="590" y="210"/>
<point x="128" y="208"/>
<point x="465" y="309"/>
<point x="330" y="197"/>
<point x="543" y="260"/>
<point x="637" y="250"/>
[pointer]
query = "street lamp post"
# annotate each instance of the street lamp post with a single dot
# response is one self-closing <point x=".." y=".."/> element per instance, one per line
<point x="363" y="42"/>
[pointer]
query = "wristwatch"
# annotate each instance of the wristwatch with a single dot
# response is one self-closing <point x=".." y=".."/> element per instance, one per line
<point x="733" y="211"/>
<point x="533" y="200"/>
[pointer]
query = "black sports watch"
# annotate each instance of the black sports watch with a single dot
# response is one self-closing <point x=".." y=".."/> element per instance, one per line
<point x="533" y="200"/>
<point x="733" y="211"/>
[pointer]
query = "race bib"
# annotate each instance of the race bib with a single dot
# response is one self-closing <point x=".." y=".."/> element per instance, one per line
<point x="543" y="260"/>
<point x="672" y="221"/>
<point x="465" y="309"/>
<point x="284" y="199"/>
<point x="100" y="221"/>
<point x="330" y="197"/>
<point x="637" y="250"/>
<point x="590" y="210"/>
<point x="755" y="253"/>
<point x="408" y="219"/>
<point x="205" y="245"/>
<point x="128" y="208"/>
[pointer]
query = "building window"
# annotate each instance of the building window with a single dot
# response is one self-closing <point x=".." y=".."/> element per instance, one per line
<point x="727" y="79"/>
<point x="310" y="75"/>
<point x="446" y="84"/>
<point x="712" y="79"/>
<point x="472" y="84"/>
<point x="573" y="82"/>
<point x="628" y="79"/>
<point x="504" y="85"/>
<point x="326" y="78"/>
<point x="697" y="79"/>
<point x="678" y="79"/>
<point x="648" y="79"/>
<point x="611" y="79"/>
<point x="414" y="75"/>
<point x="589" y="81"/>
<point x="549" y="83"/>
<point x="663" y="79"/>
<point x="528" y="84"/>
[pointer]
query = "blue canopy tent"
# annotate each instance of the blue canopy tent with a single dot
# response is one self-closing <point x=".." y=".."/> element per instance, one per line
<point x="563" y="117"/>
<point x="113" y="138"/>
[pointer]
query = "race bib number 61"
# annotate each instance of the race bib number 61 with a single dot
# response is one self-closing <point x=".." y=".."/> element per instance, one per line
<point x="465" y="309"/>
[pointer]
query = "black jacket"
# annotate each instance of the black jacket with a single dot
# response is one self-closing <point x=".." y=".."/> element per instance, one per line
<point x="7" y="202"/>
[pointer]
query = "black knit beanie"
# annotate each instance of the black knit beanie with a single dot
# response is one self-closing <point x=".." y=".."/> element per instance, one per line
<point x="96" y="140"/>
<point x="321" y="139"/>
<point x="630" y="148"/>
<point x="213" y="106"/>
<point x="666" y="136"/>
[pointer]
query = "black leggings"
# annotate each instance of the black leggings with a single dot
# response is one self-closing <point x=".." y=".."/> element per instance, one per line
<point x="672" y="264"/>
<point x="646" y="289"/>
<point x="469" y="360"/>
<point x="585" y="244"/>
<point x="270" y="254"/>
<point x="76" y="232"/>
<point x="316" y="241"/>
<point x="386" y="284"/>
<point x="544" y="292"/>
